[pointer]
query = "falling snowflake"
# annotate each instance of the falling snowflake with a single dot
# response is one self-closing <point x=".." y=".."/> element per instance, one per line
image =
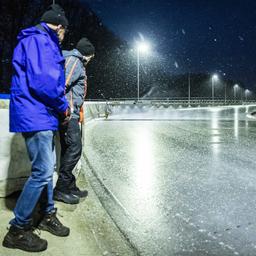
<point x="176" y="64"/>
<point x="183" y="32"/>
<point x="241" y="38"/>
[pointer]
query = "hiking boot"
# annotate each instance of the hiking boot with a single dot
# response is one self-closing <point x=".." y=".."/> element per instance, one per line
<point x="80" y="193"/>
<point x="65" y="198"/>
<point x="52" y="224"/>
<point x="24" y="239"/>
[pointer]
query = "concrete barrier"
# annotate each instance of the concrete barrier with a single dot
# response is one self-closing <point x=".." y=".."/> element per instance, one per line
<point x="14" y="163"/>
<point x="15" y="166"/>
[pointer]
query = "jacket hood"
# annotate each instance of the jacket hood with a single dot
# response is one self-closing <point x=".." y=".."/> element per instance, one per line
<point x="74" y="53"/>
<point x="29" y="32"/>
<point x="36" y="30"/>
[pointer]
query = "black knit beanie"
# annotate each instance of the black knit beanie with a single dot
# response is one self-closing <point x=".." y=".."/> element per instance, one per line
<point x="85" y="47"/>
<point x="55" y="15"/>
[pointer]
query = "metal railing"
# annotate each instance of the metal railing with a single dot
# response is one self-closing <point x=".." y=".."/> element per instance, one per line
<point x="179" y="101"/>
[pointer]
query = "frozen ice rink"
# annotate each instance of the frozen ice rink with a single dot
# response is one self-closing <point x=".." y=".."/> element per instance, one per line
<point x="177" y="182"/>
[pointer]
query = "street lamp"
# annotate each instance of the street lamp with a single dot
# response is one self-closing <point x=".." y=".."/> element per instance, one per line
<point x="246" y="93"/>
<point x="225" y="93"/>
<point x="142" y="47"/>
<point x="214" y="79"/>
<point x="236" y="86"/>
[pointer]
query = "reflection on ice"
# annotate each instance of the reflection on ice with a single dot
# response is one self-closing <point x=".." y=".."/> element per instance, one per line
<point x="144" y="161"/>
<point x="236" y="122"/>
<point x="215" y="133"/>
<point x="144" y="175"/>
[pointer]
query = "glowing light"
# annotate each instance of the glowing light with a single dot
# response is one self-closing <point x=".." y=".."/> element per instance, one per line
<point x="215" y="77"/>
<point x="143" y="47"/>
<point x="236" y="87"/>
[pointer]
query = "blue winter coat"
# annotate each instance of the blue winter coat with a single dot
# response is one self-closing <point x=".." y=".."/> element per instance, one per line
<point x="38" y="82"/>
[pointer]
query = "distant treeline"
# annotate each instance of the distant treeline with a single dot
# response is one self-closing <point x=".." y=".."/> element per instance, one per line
<point x="113" y="72"/>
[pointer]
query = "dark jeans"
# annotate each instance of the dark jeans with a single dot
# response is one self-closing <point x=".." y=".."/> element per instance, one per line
<point x="41" y="151"/>
<point x="71" y="150"/>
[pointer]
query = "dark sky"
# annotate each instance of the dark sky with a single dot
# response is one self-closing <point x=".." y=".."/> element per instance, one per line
<point x="200" y="35"/>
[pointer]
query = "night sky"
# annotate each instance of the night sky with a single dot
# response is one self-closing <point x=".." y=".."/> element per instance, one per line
<point x="190" y="36"/>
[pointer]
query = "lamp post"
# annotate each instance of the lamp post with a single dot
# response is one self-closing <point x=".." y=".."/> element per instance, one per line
<point x="225" y="93"/>
<point x="246" y="93"/>
<point x="214" y="79"/>
<point x="236" y="86"/>
<point x="142" y="47"/>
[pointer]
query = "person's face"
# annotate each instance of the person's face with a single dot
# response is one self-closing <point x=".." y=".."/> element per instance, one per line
<point x="61" y="32"/>
<point x="87" y="59"/>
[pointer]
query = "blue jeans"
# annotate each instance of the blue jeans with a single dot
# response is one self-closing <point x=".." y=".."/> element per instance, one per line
<point x="41" y="151"/>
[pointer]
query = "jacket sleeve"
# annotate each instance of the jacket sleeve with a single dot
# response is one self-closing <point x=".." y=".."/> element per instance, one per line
<point x="73" y="71"/>
<point x="80" y="81"/>
<point x="45" y="73"/>
<point x="81" y="88"/>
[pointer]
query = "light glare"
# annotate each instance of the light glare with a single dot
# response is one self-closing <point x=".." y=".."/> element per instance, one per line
<point x="215" y="77"/>
<point x="143" y="47"/>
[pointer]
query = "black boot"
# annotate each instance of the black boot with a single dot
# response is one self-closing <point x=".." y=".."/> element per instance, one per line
<point x="24" y="239"/>
<point x="52" y="224"/>
<point x="80" y="193"/>
<point x="65" y="198"/>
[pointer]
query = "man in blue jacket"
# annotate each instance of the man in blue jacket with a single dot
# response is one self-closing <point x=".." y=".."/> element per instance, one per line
<point x="37" y="98"/>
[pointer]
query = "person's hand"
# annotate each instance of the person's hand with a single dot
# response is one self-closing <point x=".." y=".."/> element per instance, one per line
<point x="81" y="115"/>
<point x="65" y="116"/>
